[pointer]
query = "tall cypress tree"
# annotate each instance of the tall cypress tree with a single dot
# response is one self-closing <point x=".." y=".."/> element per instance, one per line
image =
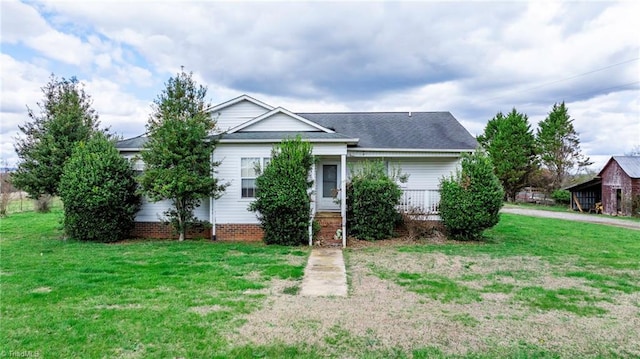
<point x="559" y="145"/>
<point x="510" y="143"/>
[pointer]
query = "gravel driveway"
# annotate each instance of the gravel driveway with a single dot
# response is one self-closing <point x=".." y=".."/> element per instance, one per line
<point x="579" y="217"/>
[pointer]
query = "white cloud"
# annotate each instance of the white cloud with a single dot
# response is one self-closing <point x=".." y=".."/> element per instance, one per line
<point x="21" y="84"/>
<point x="473" y="59"/>
<point x="20" y="21"/>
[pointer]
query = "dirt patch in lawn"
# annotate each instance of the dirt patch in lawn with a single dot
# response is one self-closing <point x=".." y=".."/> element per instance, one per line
<point x="379" y="314"/>
<point x="42" y="290"/>
<point x="206" y="309"/>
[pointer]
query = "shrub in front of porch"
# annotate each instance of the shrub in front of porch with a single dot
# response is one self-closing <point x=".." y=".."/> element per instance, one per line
<point x="372" y="197"/>
<point x="471" y="200"/>
<point x="282" y="200"/>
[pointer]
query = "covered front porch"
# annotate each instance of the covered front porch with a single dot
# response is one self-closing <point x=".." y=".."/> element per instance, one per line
<point x="328" y="201"/>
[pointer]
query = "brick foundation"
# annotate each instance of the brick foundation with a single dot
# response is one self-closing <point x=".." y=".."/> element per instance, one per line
<point x="159" y="230"/>
<point x="329" y="222"/>
<point x="248" y="232"/>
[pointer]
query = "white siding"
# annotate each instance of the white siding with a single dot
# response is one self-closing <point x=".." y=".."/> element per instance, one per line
<point x="280" y="122"/>
<point x="238" y="114"/>
<point x="154" y="212"/>
<point x="425" y="173"/>
<point x="231" y="207"/>
<point x="329" y="149"/>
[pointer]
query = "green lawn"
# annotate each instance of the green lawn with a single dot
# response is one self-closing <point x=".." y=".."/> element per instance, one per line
<point x="164" y="299"/>
<point x="63" y="299"/>
<point x="562" y="208"/>
<point x="554" y="240"/>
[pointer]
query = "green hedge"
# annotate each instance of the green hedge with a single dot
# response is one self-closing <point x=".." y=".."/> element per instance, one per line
<point x="471" y="200"/>
<point x="283" y="204"/>
<point x="372" y="197"/>
<point x="561" y="196"/>
<point x="99" y="192"/>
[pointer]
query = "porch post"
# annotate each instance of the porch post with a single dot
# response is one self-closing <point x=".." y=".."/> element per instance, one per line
<point x="343" y="198"/>
<point x="312" y="196"/>
<point x="212" y="212"/>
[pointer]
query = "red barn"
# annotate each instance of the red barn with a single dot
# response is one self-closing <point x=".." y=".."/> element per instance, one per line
<point x="621" y="185"/>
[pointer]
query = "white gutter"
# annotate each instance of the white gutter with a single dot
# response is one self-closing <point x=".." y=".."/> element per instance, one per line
<point x="371" y="149"/>
<point x="312" y="140"/>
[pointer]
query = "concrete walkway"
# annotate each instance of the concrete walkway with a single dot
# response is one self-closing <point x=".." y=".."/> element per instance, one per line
<point x="325" y="274"/>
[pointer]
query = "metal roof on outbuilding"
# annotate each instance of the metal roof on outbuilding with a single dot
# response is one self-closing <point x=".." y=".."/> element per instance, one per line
<point x="629" y="164"/>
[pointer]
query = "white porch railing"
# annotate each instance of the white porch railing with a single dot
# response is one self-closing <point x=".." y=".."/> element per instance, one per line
<point x="422" y="201"/>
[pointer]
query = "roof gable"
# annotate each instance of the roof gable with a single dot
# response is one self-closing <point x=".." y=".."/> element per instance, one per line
<point x="629" y="164"/>
<point x="239" y="99"/>
<point x="280" y="119"/>
<point x="251" y="119"/>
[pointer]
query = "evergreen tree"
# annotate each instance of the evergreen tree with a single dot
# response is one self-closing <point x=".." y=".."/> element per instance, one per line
<point x="99" y="192"/>
<point x="282" y="200"/>
<point x="559" y="145"/>
<point x="65" y="118"/>
<point x="178" y="152"/>
<point x="372" y="199"/>
<point x="510" y="143"/>
<point x="470" y="201"/>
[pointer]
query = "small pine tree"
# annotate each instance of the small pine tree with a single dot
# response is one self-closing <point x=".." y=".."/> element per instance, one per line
<point x="471" y="200"/>
<point x="98" y="190"/>
<point x="177" y="156"/>
<point x="282" y="200"/>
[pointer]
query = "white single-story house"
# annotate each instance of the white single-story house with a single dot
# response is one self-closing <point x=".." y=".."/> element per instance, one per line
<point x="424" y="145"/>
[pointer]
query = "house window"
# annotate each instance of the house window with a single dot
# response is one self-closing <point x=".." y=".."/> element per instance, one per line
<point x="136" y="164"/>
<point x="250" y="168"/>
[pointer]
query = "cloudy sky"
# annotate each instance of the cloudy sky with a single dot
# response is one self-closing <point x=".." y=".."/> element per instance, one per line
<point x="470" y="58"/>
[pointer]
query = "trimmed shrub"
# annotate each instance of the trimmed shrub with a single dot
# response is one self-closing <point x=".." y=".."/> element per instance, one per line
<point x="470" y="200"/>
<point x="372" y="197"/>
<point x="283" y="203"/>
<point x="561" y="196"/>
<point x="99" y="192"/>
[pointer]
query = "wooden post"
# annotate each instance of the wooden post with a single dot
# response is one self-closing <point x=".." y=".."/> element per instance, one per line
<point x="575" y="199"/>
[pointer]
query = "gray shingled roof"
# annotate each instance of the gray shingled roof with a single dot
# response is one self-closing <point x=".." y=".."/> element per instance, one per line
<point x="392" y="130"/>
<point x="420" y="130"/>
<point x="134" y="142"/>
<point x="629" y="164"/>
<point x="275" y="136"/>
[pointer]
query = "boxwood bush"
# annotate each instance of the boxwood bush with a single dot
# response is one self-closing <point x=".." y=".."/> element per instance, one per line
<point x="98" y="191"/>
<point x="372" y="199"/>
<point x="283" y="204"/>
<point x="470" y="200"/>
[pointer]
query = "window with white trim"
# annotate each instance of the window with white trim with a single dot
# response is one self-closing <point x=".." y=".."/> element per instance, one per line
<point x="250" y="168"/>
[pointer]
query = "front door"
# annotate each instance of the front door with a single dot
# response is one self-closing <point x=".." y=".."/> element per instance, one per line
<point x="328" y="181"/>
